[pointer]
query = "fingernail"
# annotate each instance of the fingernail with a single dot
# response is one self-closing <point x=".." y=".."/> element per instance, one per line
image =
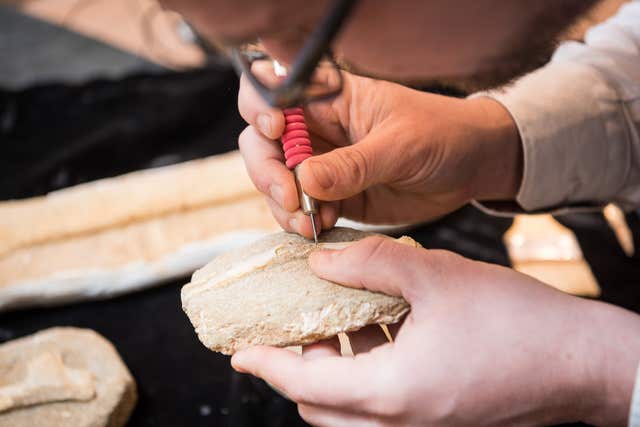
<point x="293" y="223"/>
<point x="264" y="124"/>
<point x="236" y="362"/>
<point x="277" y="194"/>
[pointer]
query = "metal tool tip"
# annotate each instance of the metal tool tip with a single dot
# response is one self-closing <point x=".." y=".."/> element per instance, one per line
<point x="313" y="226"/>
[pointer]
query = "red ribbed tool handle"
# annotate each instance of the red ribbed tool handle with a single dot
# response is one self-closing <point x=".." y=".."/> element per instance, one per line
<point x="295" y="139"/>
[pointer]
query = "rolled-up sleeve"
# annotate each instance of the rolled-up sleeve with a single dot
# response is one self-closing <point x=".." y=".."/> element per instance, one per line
<point x="579" y="120"/>
<point x="634" y="410"/>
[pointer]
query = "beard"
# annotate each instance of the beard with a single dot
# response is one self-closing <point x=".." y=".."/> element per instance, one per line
<point x="531" y="50"/>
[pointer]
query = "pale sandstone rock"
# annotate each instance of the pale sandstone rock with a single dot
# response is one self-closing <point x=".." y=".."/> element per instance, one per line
<point x="64" y="377"/>
<point x="266" y="294"/>
<point x="45" y="378"/>
<point x="130" y="257"/>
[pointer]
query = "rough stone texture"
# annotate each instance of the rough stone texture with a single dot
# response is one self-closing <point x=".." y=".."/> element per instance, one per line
<point x="64" y="377"/>
<point x="266" y="294"/>
<point x="45" y="378"/>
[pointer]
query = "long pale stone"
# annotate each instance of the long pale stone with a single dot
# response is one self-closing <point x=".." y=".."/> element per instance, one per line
<point x="118" y="201"/>
<point x="123" y="259"/>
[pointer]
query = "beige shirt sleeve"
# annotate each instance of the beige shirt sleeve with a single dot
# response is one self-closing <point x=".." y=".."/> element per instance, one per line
<point x="579" y="120"/>
<point x="634" y="409"/>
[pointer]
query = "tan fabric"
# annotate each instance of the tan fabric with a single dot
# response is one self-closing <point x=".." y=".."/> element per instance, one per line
<point x="579" y="120"/>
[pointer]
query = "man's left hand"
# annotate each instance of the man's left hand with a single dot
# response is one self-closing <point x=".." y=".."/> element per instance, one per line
<point x="483" y="345"/>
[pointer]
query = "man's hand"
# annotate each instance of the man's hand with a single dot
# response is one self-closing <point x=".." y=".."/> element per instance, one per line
<point x="483" y="346"/>
<point x="383" y="154"/>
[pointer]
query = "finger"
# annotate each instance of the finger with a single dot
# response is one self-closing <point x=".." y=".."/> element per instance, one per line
<point x="298" y="222"/>
<point x="347" y="171"/>
<point x="324" y="348"/>
<point x="367" y="338"/>
<point x="293" y="222"/>
<point x="329" y="381"/>
<point x="255" y="111"/>
<point x="376" y="263"/>
<point x="320" y="416"/>
<point x="303" y="224"/>
<point x="329" y="214"/>
<point x="264" y="162"/>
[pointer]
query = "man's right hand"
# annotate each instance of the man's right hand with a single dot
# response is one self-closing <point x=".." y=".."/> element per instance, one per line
<point x="383" y="153"/>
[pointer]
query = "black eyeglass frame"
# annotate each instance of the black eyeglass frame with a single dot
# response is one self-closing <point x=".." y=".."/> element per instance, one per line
<point x="291" y="92"/>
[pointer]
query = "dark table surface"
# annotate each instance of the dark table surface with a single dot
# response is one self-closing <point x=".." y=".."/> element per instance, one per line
<point x="56" y="136"/>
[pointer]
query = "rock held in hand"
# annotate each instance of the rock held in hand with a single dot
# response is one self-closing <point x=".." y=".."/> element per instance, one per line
<point x="267" y="294"/>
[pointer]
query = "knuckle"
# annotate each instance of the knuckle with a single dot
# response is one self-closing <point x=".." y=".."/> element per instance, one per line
<point x="354" y="163"/>
<point x="389" y="405"/>
<point x="368" y="251"/>
<point x="281" y="218"/>
<point x="261" y="183"/>
<point x="245" y="139"/>
<point x="442" y="261"/>
<point x="297" y="394"/>
<point x="443" y="407"/>
<point x="284" y="225"/>
<point x="378" y="247"/>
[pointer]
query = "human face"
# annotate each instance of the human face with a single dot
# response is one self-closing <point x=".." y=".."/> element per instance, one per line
<point x="413" y="41"/>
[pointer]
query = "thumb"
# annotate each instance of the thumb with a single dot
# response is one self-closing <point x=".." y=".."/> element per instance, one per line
<point x="377" y="263"/>
<point x="347" y="171"/>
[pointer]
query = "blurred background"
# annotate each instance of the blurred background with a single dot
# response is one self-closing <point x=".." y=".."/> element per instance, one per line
<point x="92" y="89"/>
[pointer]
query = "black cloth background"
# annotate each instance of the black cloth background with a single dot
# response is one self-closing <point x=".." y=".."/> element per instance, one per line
<point x="56" y="136"/>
